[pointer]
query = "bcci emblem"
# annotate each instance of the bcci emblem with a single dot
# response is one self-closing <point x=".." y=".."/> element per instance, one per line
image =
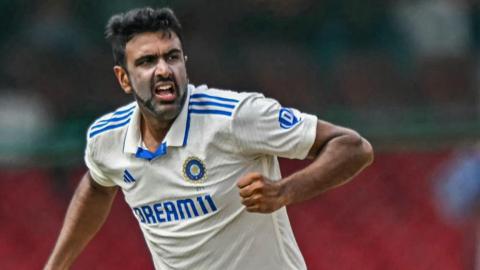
<point x="194" y="170"/>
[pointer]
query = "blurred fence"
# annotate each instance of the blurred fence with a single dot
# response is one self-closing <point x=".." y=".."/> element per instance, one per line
<point x="384" y="219"/>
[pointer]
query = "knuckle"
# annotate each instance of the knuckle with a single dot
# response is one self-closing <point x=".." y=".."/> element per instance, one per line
<point x="244" y="192"/>
<point x="259" y="187"/>
<point x="255" y="175"/>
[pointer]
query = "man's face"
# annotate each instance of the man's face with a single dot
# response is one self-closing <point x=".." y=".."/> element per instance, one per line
<point x="156" y="73"/>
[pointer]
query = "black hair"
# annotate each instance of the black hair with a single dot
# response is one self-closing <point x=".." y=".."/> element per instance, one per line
<point x="123" y="27"/>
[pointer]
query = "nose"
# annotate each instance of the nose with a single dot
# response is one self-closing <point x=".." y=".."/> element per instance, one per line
<point x="162" y="69"/>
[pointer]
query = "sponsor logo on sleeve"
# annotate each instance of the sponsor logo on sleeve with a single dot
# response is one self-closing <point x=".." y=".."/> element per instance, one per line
<point x="287" y="118"/>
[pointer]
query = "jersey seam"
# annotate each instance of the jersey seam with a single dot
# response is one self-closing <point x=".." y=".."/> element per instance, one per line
<point x="92" y="161"/>
<point x="231" y="125"/>
<point x="279" y="239"/>
<point x="306" y="134"/>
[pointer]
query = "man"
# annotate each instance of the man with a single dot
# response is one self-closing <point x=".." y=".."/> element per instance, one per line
<point x="198" y="166"/>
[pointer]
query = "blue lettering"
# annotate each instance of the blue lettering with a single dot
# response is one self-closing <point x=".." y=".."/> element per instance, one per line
<point x="202" y="205"/>
<point x="174" y="210"/>
<point x="211" y="203"/>
<point x="147" y="211"/>
<point x="170" y="210"/>
<point x="158" y="212"/>
<point x="186" y="204"/>
<point x="139" y="214"/>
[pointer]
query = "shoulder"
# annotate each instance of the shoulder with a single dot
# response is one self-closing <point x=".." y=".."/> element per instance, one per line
<point x="220" y="94"/>
<point x="204" y="100"/>
<point x="105" y="142"/>
<point x="112" y="123"/>
<point x="212" y="113"/>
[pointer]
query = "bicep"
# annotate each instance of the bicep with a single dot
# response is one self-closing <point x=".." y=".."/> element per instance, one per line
<point x="325" y="132"/>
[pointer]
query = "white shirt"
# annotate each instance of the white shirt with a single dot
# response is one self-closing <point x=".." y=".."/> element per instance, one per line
<point x="185" y="196"/>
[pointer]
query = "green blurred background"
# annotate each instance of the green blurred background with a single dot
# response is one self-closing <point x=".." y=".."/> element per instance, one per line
<point x="403" y="73"/>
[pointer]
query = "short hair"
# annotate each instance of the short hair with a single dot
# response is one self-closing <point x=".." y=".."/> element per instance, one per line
<point x="123" y="27"/>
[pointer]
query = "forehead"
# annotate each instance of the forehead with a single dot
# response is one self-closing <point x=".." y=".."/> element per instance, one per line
<point x="151" y="43"/>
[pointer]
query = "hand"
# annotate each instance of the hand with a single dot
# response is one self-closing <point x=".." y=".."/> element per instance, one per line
<point x="260" y="194"/>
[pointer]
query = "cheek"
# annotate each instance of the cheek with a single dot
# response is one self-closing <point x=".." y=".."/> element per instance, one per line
<point x="181" y="75"/>
<point x="140" y="81"/>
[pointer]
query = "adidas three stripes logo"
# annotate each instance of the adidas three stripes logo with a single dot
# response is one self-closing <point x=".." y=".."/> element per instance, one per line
<point x="127" y="177"/>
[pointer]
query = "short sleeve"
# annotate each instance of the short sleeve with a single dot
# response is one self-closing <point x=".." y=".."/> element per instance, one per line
<point x="262" y="126"/>
<point x="93" y="168"/>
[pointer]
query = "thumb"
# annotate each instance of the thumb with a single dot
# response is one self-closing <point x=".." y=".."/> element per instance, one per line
<point x="248" y="179"/>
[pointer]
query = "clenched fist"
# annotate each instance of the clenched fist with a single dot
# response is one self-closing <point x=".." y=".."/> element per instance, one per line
<point x="260" y="194"/>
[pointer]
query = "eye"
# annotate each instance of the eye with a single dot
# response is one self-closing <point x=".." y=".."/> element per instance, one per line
<point x="173" y="57"/>
<point x="147" y="60"/>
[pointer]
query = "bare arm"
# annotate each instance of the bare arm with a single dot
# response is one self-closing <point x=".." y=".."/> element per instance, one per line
<point x="86" y="214"/>
<point x="339" y="154"/>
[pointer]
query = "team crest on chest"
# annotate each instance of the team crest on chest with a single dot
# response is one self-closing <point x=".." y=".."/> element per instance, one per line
<point x="194" y="170"/>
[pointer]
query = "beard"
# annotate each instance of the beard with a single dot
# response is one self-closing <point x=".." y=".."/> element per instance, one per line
<point x="152" y="107"/>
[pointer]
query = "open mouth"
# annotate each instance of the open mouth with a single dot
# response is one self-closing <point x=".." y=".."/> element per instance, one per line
<point x="165" y="92"/>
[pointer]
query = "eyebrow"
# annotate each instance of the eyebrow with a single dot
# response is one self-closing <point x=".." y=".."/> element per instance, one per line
<point x="172" y="51"/>
<point x="143" y="57"/>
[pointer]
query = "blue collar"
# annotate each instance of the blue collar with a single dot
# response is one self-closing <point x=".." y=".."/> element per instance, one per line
<point x="146" y="154"/>
<point x="177" y="136"/>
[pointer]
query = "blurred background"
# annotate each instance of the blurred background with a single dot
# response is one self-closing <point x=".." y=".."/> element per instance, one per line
<point x="404" y="73"/>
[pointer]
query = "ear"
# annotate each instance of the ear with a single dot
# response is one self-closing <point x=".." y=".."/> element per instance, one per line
<point x="122" y="78"/>
<point x="186" y="59"/>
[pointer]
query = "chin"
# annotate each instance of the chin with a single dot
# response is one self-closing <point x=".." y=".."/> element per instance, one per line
<point x="167" y="114"/>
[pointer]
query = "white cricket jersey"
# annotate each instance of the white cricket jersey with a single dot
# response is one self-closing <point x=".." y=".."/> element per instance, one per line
<point x="184" y="195"/>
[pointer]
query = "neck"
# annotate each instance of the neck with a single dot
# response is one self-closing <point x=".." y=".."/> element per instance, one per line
<point x="153" y="131"/>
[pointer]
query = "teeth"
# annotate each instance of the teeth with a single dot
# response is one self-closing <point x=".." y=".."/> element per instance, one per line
<point x="165" y="87"/>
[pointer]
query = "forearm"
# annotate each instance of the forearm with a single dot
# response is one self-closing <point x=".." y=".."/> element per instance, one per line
<point x="86" y="213"/>
<point x="336" y="163"/>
